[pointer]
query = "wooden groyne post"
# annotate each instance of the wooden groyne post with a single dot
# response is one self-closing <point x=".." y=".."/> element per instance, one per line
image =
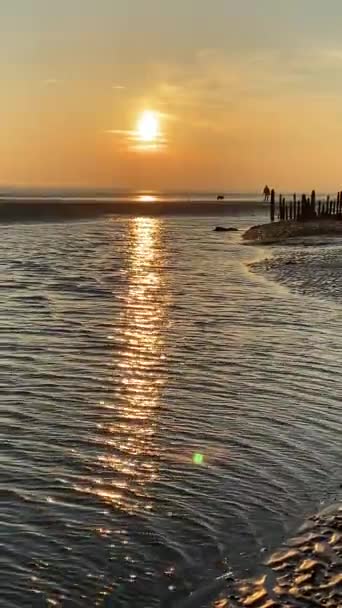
<point x="272" y="205"/>
<point x="305" y="208"/>
<point x="313" y="203"/>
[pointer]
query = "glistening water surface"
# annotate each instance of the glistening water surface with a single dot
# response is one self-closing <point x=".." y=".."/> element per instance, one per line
<point x="165" y="414"/>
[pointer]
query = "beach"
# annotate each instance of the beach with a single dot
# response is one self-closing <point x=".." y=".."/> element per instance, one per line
<point x="20" y="208"/>
<point x="170" y="336"/>
<point x="170" y="412"/>
<point x="281" y="231"/>
<point x="306" y="570"/>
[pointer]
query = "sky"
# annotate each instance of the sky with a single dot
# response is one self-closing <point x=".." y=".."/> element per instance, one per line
<point x="242" y="93"/>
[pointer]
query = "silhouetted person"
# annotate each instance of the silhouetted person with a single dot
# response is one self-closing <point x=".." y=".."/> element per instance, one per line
<point x="267" y="193"/>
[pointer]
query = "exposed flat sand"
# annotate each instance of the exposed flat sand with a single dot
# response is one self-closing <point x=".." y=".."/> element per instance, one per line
<point x="51" y="209"/>
<point x="279" y="231"/>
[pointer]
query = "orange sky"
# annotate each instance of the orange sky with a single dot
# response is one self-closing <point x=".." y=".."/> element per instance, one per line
<point x="244" y="95"/>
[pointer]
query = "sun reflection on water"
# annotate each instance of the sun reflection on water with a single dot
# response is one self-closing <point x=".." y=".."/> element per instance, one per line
<point x="128" y="426"/>
<point x="146" y="198"/>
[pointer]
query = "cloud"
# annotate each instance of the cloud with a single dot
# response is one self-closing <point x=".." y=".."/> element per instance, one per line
<point x="217" y="80"/>
<point x="231" y="102"/>
<point x="124" y="132"/>
<point x="50" y="81"/>
<point x="133" y="140"/>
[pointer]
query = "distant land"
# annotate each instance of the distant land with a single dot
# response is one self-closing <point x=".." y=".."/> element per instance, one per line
<point x="51" y="209"/>
<point x="18" y="204"/>
<point x="78" y="191"/>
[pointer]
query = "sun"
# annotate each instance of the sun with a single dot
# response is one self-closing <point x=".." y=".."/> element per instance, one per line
<point x="148" y="128"/>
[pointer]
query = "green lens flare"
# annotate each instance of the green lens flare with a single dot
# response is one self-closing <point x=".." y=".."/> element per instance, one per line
<point x="198" y="458"/>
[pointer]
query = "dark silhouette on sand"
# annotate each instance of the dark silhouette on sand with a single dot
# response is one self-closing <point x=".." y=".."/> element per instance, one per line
<point x="267" y="193"/>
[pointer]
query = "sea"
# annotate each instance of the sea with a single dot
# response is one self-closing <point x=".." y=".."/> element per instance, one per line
<point x="170" y="401"/>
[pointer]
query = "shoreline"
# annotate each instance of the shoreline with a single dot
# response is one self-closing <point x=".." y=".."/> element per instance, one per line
<point x="57" y="208"/>
<point x="305" y="569"/>
<point x="277" y="232"/>
<point x="302" y="258"/>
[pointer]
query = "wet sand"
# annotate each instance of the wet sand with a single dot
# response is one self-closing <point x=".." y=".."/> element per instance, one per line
<point x="305" y="573"/>
<point x="66" y="209"/>
<point x="280" y="231"/>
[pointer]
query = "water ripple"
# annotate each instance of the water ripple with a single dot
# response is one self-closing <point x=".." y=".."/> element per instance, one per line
<point x="166" y="415"/>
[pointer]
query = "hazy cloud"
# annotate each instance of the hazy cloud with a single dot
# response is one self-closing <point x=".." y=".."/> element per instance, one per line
<point x="51" y="81"/>
<point x="216" y="82"/>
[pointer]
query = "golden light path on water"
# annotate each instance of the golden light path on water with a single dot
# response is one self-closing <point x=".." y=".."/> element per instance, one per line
<point x="127" y="437"/>
<point x="120" y="467"/>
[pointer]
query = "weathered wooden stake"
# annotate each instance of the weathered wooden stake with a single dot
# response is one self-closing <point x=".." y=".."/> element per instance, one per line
<point x="272" y="205"/>
<point x="303" y="213"/>
<point x="305" y="207"/>
<point x="313" y="203"/>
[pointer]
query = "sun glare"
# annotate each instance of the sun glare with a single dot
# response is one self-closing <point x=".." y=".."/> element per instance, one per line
<point x="148" y="129"/>
<point x="146" y="198"/>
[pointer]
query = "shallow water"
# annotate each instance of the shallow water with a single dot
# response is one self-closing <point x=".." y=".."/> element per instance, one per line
<point x="128" y="346"/>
